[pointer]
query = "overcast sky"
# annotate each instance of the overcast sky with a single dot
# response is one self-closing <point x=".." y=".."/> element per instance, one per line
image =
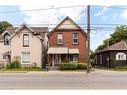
<point x="108" y="13"/>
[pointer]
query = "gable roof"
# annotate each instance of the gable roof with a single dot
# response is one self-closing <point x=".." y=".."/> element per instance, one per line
<point x="38" y="31"/>
<point x="122" y="45"/>
<point x="73" y="23"/>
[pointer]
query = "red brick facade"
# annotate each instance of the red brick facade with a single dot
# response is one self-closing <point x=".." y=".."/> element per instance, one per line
<point x="68" y="42"/>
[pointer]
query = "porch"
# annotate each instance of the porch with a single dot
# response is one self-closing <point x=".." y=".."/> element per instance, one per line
<point x="60" y="55"/>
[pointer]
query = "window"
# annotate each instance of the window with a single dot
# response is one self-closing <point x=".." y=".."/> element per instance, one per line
<point x="26" y="57"/>
<point x="120" y="56"/>
<point x="74" y="58"/>
<point x="100" y="58"/>
<point x="6" y="40"/>
<point x="59" y="38"/>
<point x="4" y="57"/>
<point x="75" y="38"/>
<point x="25" y="40"/>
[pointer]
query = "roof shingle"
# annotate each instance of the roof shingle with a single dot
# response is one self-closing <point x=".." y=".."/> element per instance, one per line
<point x="122" y="45"/>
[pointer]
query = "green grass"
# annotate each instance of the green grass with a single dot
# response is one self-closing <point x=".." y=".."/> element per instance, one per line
<point x="119" y="69"/>
<point x="22" y="69"/>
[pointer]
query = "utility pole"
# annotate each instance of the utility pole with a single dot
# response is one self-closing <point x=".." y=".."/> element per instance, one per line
<point x="88" y="39"/>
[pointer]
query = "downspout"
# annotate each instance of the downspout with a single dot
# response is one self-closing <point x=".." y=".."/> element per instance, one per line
<point x="42" y="52"/>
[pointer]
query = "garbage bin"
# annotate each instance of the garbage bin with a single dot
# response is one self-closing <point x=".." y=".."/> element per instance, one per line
<point x="46" y="67"/>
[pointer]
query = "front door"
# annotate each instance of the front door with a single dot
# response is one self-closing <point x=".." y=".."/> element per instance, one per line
<point x="57" y="59"/>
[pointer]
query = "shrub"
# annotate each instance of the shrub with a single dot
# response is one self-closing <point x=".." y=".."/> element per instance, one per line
<point x="67" y="66"/>
<point x="72" y="66"/>
<point x="14" y="64"/>
<point x="81" y="66"/>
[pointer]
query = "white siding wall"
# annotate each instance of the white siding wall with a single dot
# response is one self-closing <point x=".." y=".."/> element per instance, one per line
<point x="34" y="47"/>
<point x="3" y="49"/>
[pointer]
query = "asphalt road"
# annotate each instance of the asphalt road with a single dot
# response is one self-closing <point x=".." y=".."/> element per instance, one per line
<point x="98" y="79"/>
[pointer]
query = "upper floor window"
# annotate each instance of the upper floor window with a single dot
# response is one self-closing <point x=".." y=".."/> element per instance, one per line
<point x="25" y="40"/>
<point x="75" y="38"/>
<point x="120" y="56"/>
<point x="6" y="40"/>
<point x="59" y="38"/>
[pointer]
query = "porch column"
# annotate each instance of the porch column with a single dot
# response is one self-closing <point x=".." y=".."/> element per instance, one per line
<point x="48" y="61"/>
<point x="66" y="58"/>
<point x="53" y="60"/>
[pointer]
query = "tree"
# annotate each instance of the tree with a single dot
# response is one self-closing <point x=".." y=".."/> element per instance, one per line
<point x="92" y="56"/>
<point x="119" y="34"/>
<point x="4" y="25"/>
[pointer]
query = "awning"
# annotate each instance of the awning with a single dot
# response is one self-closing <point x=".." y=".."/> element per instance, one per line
<point x="73" y="51"/>
<point x="57" y="50"/>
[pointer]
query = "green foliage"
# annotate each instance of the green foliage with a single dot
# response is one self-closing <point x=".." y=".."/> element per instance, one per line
<point x="92" y="55"/>
<point x="81" y="66"/>
<point x="121" y="67"/>
<point x="71" y="66"/>
<point x="67" y="66"/>
<point x="13" y="65"/>
<point x="4" y="25"/>
<point x="119" y="34"/>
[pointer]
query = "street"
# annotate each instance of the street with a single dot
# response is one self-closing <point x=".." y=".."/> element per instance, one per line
<point x="98" y="79"/>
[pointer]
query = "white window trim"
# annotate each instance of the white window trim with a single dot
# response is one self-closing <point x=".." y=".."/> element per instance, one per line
<point x="22" y="58"/>
<point x="6" y="38"/>
<point x="60" y="39"/>
<point x="27" y="35"/>
<point x="75" y="38"/>
<point x="122" y="56"/>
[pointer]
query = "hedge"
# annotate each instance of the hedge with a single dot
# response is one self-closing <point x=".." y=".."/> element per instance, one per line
<point x="81" y="66"/>
<point x="72" y="66"/>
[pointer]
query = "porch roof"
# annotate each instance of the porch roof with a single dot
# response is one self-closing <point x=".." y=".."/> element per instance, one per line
<point x="57" y="50"/>
<point x="73" y="51"/>
<point x="62" y="50"/>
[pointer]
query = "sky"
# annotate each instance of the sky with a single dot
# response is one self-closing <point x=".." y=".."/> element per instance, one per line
<point x="105" y="16"/>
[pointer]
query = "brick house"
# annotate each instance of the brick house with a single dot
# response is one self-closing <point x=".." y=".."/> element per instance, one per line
<point x="67" y="43"/>
<point x="112" y="56"/>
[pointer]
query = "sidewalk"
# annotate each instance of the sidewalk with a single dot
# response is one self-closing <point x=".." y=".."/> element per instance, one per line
<point x="58" y="72"/>
<point x="107" y="72"/>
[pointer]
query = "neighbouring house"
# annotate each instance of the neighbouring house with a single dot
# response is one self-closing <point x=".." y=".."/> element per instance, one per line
<point x="112" y="56"/>
<point x="67" y="43"/>
<point x="24" y="43"/>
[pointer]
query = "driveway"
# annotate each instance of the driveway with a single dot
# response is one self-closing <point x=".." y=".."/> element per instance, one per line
<point x="97" y="79"/>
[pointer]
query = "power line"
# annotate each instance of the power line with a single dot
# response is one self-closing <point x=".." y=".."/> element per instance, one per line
<point x="52" y="8"/>
<point x="112" y="24"/>
<point x="112" y="7"/>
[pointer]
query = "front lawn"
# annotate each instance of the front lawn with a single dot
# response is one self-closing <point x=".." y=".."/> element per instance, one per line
<point x="22" y="69"/>
<point x="120" y="68"/>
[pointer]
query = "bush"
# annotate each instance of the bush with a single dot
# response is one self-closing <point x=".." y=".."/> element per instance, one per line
<point x="72" y="66"/>
<point x="68" y="66"/>
<point x="81" y="66"/>
<point x="13" y="65"/>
